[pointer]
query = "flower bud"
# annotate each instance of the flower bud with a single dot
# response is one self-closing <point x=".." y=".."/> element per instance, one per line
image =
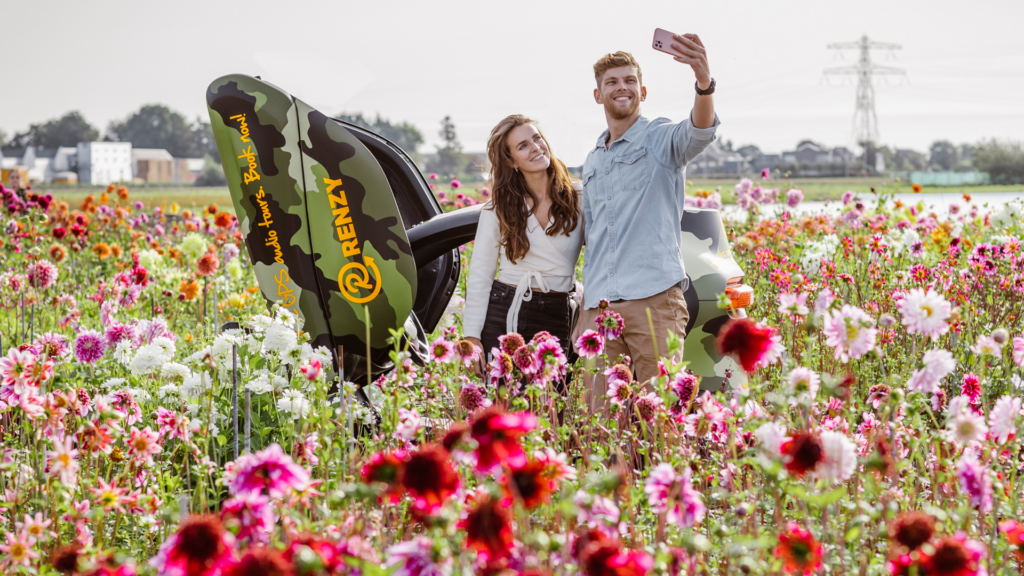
<point x="887" y="320"/>
<point x="1001" y="336"/>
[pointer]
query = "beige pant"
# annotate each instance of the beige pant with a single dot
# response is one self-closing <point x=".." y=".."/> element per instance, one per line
<point x="668" y="313"/>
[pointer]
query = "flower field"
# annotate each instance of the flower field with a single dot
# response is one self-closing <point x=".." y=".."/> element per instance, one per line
<point x="876" y="433"/>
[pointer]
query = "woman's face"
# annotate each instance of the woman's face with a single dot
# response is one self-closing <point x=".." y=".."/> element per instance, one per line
<point x="15" y="179"/>
<point x="528" y="149"/>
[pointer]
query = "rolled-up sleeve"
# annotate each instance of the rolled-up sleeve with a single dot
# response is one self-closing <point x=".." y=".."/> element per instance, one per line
<point x="687" y="141"/>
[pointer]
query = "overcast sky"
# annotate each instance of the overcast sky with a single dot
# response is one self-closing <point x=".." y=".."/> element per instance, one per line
<point x="481" y="60"/>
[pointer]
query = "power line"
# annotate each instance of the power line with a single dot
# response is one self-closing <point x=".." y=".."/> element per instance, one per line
<point x="865" y="121"/>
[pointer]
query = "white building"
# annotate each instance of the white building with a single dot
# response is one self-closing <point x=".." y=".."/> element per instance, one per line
<point x="104" y="162"/>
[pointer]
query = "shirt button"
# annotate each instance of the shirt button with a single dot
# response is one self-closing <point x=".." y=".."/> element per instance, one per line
<point x="611" y="223"/>
<point x="612" y="274"/>
<point x="606" y="171"/>
<point x="608" y="198"/>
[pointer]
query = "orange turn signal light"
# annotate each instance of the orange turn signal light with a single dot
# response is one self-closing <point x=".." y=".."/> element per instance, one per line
<point x="740" y="296"/>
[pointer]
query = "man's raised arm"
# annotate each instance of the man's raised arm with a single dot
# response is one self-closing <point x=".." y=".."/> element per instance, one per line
<point x="694" y="54"/>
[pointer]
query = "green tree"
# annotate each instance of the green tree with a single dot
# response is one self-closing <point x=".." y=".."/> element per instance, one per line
<point x="68" y="130"/>
<point x="450" y="160"/>
<point x="943" y="154"/>
<point x="404" y="135"/>
<point x="212" y="175"/>
<point x="749" y="152"/>
<point x="154" y="126"/>
<point x="1004" y="161"/>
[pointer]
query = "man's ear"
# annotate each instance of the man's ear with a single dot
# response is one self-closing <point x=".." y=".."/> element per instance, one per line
<point x="597" y="95"/>
<point x="643" y="93"/>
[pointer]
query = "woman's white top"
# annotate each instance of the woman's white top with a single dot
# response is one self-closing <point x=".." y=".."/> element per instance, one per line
<point x="550" y="265"/>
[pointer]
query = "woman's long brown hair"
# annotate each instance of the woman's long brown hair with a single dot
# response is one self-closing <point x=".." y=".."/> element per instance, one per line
<point x="509" y="192"/>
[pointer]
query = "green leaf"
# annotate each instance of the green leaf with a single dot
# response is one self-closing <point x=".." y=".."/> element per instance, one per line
<point x="221" y="439"/>
<point x="852" y="534"/>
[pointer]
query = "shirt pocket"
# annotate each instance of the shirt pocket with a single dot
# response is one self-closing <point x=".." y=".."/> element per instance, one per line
<point x="587" y="178"/>
<point x="634" y="170"/>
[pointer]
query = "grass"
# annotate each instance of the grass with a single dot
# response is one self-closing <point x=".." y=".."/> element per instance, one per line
<point x="832" y="188"/>
<point x="814" y="189"/>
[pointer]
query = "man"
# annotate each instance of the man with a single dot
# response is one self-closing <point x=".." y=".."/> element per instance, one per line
<point x="633" y="183"/>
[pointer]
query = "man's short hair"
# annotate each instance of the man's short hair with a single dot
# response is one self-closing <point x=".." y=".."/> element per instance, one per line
<point x="616" y="60"/>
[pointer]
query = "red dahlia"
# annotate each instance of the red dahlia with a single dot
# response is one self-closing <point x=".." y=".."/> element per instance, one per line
<point x="745" y="340"/>
<point x="912" y="529"/>
<point x="260" y="562"/>
<point x="799" y="551"/>
<point x="489" y="530"/>
<point x="529" y="482"/>
<point x="802" y="453"/>
<point x="497" y="435"/>
<point x="387" y="468"/>
<point x="200" y="546"/>
<point x="430" y="478"/>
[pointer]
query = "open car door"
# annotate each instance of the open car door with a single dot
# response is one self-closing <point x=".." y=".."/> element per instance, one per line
<point x="324" y="206"/>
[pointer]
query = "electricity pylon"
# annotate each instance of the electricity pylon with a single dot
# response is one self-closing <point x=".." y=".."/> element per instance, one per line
<point x="865" y="121"/>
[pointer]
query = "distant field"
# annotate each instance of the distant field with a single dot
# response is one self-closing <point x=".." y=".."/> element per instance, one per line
<point x="832" y="188"/>
<point x="185" y="196"/>
<point x="814" y="189"/>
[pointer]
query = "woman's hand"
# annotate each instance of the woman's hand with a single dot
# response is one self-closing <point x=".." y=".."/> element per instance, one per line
<point x="478" y="366"/>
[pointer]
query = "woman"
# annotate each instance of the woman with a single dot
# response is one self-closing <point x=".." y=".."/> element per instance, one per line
<point x="530" y="232"/>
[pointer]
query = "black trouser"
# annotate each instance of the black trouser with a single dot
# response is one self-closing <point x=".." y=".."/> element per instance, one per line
<point x="551" y="311"/>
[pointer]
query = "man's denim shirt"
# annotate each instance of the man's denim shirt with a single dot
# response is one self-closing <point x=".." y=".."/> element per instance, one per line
<point x="633" y="205"/>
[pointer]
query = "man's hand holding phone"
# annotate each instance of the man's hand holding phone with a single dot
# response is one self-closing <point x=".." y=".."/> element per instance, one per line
<point x="687" y="49"/>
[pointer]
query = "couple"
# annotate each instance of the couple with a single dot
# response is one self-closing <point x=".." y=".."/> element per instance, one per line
<point x="627" y="210"/>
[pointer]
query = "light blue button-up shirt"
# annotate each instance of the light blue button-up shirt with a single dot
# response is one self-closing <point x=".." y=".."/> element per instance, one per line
<point x="633" y="204"/>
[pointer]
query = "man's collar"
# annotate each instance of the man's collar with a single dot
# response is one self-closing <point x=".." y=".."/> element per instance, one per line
<point x="630" y="134"/>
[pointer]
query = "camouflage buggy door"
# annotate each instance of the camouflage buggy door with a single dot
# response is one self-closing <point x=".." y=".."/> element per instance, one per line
<point x="317" y="214"/>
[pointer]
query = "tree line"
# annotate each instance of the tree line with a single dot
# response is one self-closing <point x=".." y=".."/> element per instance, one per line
<point x="157" y="126"/>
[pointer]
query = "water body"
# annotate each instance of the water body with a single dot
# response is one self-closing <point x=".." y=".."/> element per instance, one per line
<point x="938" y="202"/>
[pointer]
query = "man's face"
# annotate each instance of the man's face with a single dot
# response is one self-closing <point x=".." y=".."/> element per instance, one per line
<point x="620" y="92"/>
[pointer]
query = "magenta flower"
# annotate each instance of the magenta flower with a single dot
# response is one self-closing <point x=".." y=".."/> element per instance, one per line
<point x="433" y="176"/>
<point x="794" y="197"/>
<point x="414" y="558"/>
<point x="19" y="549"/>
<point x="590" y="344"/>
<point x="270" y="468"/>
<point x="89" y="347"/>
<point x="975" y="481"/>
<point x="609" y="325"/>
<point x="442" y="351"/>
<point x="171" y="423"/>
<point x="689" y="509"/>
<point x="765" y="173"/>
<point x="850" y="331"/>
<point x="847" y="196"/>
<point x="312" y="370"/>
<point x="252" y="515"/>
<point x="526" y="360"/>
<point x="456" y="184"/>
<point x="1018" y="351"/>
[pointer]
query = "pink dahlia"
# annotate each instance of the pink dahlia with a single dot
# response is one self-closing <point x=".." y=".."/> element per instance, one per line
<point x="442" y="351"/>
<point x="850" y="331"/>
<point x="269" y="468"/>
<point x="609" y="324"/>
<point x="251" y="515"/>
<point x="42" y="274"/>
<point x="1018" y="351"/>
<point x="143" y="444"/>
<point x="975" y="481"/>
<point x="200" y="547"/>
<point x="590" y="344"/>
<point x="925" y="313"/>
<point x="171" y="423"/>
<point x="89" y="346"/>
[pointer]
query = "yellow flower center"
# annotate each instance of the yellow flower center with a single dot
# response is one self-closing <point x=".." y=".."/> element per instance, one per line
<point x="927" y="311"/>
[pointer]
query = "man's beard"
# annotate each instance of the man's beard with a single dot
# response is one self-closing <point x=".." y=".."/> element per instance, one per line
<point x="611" y="110"/>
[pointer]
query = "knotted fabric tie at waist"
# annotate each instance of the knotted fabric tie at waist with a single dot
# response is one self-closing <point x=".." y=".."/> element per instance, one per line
<point x="524" y="293"/>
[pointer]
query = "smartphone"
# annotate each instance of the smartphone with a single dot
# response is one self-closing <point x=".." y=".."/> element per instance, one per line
<point x="663" y="42"/>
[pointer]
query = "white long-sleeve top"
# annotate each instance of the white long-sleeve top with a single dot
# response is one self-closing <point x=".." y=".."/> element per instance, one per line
<point x="550" y="265"/>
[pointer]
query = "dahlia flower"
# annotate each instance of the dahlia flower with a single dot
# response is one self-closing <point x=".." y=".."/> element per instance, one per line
<point x="1014" y="533"/>
<point x="19" y="549"/>
<point x="143" y="445"/>
<point x="1018" y="351"/>
<point x="497" y="435"/>
<point x="89" y="346"/>
<point x="965" y="427"/>
<point x="529" y="483"/>
<point x="975" y="481"/>
<point x="271" y="469"/>
<point x="295" y="403"/>
<point x="488" y="529"/>
<point x="748" y="341"/>
<point x="442" y="351"/>
<point x="936" y="365"/>
<point x="387" y="468"/>
<point x="42" y="274"/>
<point x="467" y="352"/>
<point x="913" y="528"/>
<point x="802" y="453"/>
<point x="658" y="486"/>
<point x="840" y="456"/>
<point x="955" y="556"/>
<point x="850" y="331"/>
<point x="251" y="515"/>
<point x="409" y="424"/>
<point x="509" y="343"/>
<point x="473" y="397"/>
<point x="200" y="546"/>
<point x="414" y="558"/>
<point x="794" y="197"/>
<point x="689" y="509"/>
<point x="925" y="313"/>
<point x="430" y="478"/>
<point x="987" y="346"/>
<point x="609" y="324"/>
<point x="770" y="437"/>
<point x="555" y="464"/>
<point x="62" y="461"/>
<point x="590" y="344"/>
<point x="799" y="551"/>
<point x="793" y="305"/>
<point x="1003" y="419"/>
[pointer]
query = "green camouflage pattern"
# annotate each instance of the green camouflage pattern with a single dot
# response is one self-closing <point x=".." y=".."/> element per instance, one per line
<point x="709" y="263"/>
<point x="317" y="214"/>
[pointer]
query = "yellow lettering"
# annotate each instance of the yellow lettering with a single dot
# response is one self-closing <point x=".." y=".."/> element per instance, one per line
<point x="342" y="216"/>
<point x="335" y="200"/>
<point x="350" y="248"/>
<point x="346" y="232"/>
<point x="332" y="184"/>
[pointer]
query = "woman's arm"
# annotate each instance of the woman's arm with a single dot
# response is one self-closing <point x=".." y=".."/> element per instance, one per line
<point x="482" y="267"/>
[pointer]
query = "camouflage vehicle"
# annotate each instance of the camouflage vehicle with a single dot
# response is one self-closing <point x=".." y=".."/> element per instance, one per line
<point x="341" y="225"/>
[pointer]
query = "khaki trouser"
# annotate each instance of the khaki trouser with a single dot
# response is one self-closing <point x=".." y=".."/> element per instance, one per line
<point x="668" y="313"/>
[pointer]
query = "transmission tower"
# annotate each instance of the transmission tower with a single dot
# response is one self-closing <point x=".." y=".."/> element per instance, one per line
<point x="865" y="122"/>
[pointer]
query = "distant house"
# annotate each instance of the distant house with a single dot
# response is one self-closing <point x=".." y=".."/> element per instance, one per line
<point x="104" y="162"/>
<point x="157" y="165"/>
<point x="715" y="160"/>
<point x="34" y="162"/>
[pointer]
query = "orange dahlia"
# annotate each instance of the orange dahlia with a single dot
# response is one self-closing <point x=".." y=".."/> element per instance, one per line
<point x="799" y="551"/>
